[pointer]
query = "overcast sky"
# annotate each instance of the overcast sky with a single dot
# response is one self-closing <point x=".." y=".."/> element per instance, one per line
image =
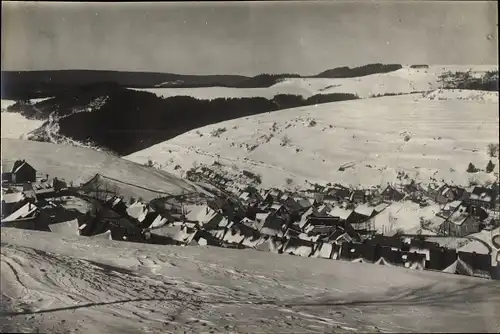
<point x="245" y="38"/>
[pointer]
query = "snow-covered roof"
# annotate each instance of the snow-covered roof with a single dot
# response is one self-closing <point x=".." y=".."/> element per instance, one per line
<point x="200" y="213"/>
<point x="452" y="205"/>
<point x="13" y="197"/>
<point x="23" y="212"/>
<point x="233" y="236"/>
<point x="262" y="216"/>
<point x="244" y="196"/>
<point x="68" y="228"/>
<point x="158" y="222"/>
<point x="137" y="210"/>
<point x="106" y="236"/>
<point x="178" y="233"/>
<point x="459" y="215"/>
<point x="340" y="212"/>
<point x="324" y="251"/>
<point x="365" y="209"/>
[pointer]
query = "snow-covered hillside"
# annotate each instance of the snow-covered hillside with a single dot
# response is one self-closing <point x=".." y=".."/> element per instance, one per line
<point x="403" y="81"/>
<point x="81" y="164"/>
<point x="16" y="126"/>
<point x="362" y="142"/>
<point x="63" y="284"/>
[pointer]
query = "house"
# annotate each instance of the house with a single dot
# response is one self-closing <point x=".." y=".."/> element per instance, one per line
<point x="299" y="247"/>
<point x="358" y="196"/>
<point x="337" y="193"/>
<point x="413" y="260"/>
<point x="317" y="218"/>
<point x="203" y="215"/>
<point x="431" y="190"/>
<point x="27" y="217"/>
<point x="324" y="250"/>
<point x="12" y="202"/>
<point x="18" y="171"/>
<point x="448" y="193"/>
<point x="103" y="219"/>
<point x="484" y="197"/>
<point x="392" y="242"/>
<point x="203" y="238"/>
<point x="67" y="228"/>
<point x="180" y="233"/>
<point x="390" y="194"/>
<point x="389" y="257"/>
<point x="271" y="244"/>
<point x="356" y="252"/>
<point x="440" y="258"/>
<point x="26" y="211"/>
<point x="471" y="264"/>
<point x="273" y="226"/>
<point x="461" y="222"/>
<point x="342" y="213"/>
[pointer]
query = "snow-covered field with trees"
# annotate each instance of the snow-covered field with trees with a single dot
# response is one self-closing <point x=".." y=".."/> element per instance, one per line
<point x="360" y="142"/>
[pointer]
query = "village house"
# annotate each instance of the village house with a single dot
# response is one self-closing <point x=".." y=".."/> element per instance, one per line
<point x="12" y="202"/>
<point x="299" y="247"/>
<point x="391" y="194"/>
<point x="18" y="171"/>
<point x="358" y="196"/>
<point x="471" y="264"/>
<point x="431" y="190"/>
<point x="448" y="193"/>
<point x="483" y="197"/>
<point x="463" y="221"/>
<point x="356" y="252"/>
<point x="440" y="258"/>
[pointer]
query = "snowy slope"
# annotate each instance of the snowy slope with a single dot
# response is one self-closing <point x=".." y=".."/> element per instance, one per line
<point x="15" y="125"/>
<point x="372" y="138"/>
<point x="81" y="164"/>
<point x="56" y="284"/>
<point x="405" y="80"/>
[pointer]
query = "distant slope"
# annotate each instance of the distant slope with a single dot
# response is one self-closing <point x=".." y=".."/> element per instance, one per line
<point x="31" y="84"/>
<point x="401" y="81"/>
<point x="372" y="139"/>
<point x="125" y="121"/>
<point x="59" y="284"/>
<point x="15" y="125"/>
<point x="80" y="165"/>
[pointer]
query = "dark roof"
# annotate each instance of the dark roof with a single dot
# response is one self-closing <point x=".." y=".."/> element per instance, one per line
<point x="478" y="191"/>
<point x="476" y="261"/>
<point x="441" y="258"/>
<point x="356" y="217"/>
<point x="353" y="251"/>
<point x="422" y="244"/>
<point x="385" y="241"/>
<point x="273" y="222"/>
<point x="392" y="193"/>
<point x="324" y="220"/>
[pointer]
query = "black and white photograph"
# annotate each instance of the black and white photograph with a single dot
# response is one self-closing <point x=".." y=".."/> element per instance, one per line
<point x="250" y="167"/>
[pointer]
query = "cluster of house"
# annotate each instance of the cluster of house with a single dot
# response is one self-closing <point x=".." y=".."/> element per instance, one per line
<point x="333" y="223"/>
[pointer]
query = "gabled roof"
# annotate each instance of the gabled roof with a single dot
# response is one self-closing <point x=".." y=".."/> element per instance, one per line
<point x="23" y="212"/>
<point x="9" y="166"/>
<point x="483" y="194"/>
